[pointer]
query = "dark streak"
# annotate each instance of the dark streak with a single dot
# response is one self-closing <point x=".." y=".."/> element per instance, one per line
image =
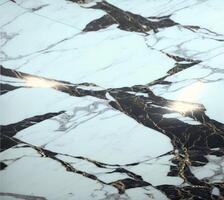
<point x="8" y="131"/>
<point x="22" y="196"/>
<point x="5" y="88"/>
<point x="100" y="23"/>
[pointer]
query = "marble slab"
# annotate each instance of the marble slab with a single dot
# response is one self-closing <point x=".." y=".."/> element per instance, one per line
<point x="112" y="100"/>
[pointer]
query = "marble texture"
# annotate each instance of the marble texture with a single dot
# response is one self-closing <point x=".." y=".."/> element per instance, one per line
<point x="112" y="100"/>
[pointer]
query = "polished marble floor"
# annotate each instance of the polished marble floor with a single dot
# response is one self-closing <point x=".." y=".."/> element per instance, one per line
<point x="112" y="100"/>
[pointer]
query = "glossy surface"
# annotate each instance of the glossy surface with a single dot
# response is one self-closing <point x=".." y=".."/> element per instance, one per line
<point x="112" y="99"/>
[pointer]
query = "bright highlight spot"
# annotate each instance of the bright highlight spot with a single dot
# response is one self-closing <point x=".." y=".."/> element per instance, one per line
<point x="40" y="82"/>
<point x="184" y="107"/>
<point x="189" y="94"/>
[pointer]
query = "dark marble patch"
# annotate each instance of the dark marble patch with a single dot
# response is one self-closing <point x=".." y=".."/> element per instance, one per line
<point x="100" y="23"/>
<point x="188" y="192"/>
<point x="78" y="1"/>
<point x="2" y="165"/>
<point x="126" y="20"/>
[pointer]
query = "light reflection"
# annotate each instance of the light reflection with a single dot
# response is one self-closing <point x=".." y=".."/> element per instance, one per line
<point x="189" y="94"/>
<point x="184" y="107"/>
<point x="40" y="82"/>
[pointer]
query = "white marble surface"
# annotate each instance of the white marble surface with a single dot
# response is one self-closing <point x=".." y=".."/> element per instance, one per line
<point x="45" y="38"/>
